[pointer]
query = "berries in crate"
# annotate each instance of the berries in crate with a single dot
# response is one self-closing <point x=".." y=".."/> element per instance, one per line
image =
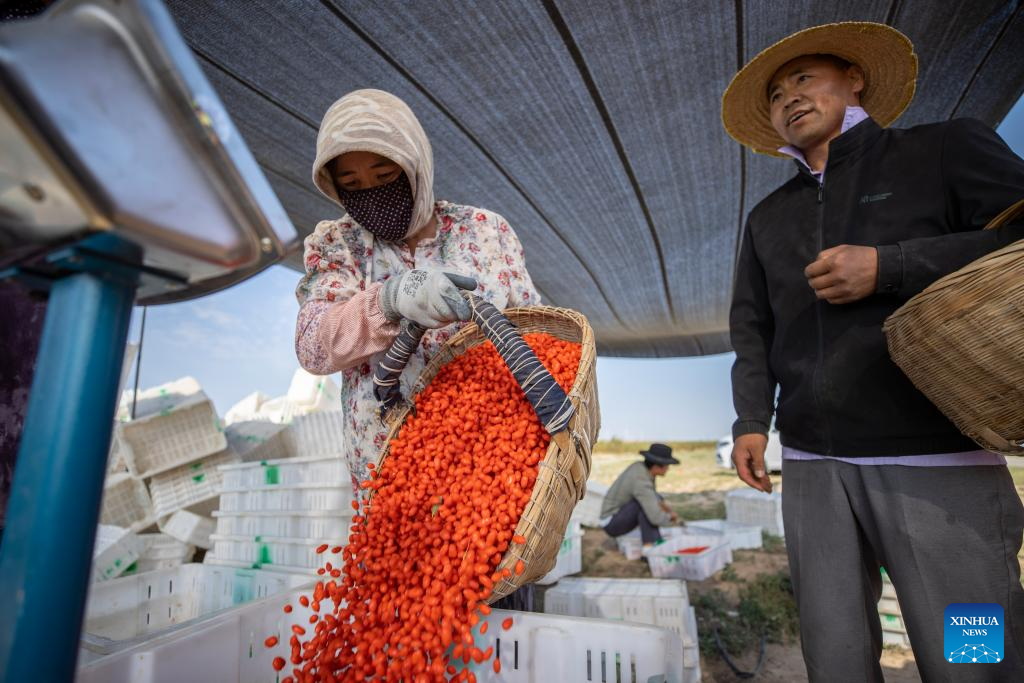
<point x="690" y="556"/>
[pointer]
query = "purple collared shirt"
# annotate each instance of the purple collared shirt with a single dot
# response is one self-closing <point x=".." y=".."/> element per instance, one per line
<point x="851" y="118"/>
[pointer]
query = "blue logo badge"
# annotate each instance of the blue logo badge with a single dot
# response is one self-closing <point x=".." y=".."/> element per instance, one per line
<point x="974" y="633"/>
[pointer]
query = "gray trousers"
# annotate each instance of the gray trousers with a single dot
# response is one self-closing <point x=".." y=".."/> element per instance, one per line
<point x="944" y="535"/>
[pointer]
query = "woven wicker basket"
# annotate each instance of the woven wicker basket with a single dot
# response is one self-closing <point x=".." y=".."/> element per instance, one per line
<point x="562" y="479"/>
<point x="961" y="342"/>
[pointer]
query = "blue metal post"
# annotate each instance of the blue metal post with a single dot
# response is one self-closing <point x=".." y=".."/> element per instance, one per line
<point x="46" y="556"/>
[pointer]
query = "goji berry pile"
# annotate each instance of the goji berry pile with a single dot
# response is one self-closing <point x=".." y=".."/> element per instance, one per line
<point x="426" y="541"/>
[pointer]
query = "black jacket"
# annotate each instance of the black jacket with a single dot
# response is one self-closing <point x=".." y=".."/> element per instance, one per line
<point x="921" y="196"/>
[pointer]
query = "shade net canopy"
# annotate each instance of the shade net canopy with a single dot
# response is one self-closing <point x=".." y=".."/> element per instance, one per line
<point x="592" y="126"/>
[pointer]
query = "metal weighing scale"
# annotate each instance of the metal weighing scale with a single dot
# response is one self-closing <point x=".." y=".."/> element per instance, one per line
<point x="122" y="182"/>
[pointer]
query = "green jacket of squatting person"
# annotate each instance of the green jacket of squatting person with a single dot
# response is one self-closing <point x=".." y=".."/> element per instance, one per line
<point x="636" y="481"/>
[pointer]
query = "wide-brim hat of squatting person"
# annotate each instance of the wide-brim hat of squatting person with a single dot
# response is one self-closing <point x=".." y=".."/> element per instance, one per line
<point x="659" y="454"/>
<point x="885" y="55"/>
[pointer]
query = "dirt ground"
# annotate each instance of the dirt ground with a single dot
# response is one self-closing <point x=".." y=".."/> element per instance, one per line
<point x="696" y="489"/>
<point x="783" y="663"/>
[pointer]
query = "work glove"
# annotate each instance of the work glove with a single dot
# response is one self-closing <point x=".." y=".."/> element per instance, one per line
<point x="430" y="298"/>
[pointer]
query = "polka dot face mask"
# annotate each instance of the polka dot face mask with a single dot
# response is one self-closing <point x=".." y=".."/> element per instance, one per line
<point x="385" y="210"/>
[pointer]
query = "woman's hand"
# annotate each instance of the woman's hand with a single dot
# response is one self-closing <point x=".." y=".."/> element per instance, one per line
<point x="430" y="298"/>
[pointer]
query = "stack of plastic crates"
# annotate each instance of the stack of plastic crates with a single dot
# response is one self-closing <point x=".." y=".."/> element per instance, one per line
<point x="894" y="630"/>
<point x="115" y="551"/>
<point x="318" y="435"/>
<point x="747" y="506"/>
<point x="257" y="440"/>
<point x="663" y="603"/>
<point x="570" y="555"/>
<point x="170" y="453"/>
<point x="126" y="503"/>
<point x="160" y="551"/>
<point x="274" y="514"/>
<point x="536" y="648"/>
<point x="135" y="609"/>
<point x="189" y="528"/>
<point x="588" y="511"/>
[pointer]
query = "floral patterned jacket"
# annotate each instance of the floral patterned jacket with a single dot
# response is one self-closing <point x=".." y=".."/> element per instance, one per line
<point x="340" y="327"/>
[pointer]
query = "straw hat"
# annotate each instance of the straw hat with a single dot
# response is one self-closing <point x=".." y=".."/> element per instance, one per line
<point x="884" y="54"/>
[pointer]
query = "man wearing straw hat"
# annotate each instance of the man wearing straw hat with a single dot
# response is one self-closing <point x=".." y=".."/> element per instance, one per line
<point x="875" y="475"/>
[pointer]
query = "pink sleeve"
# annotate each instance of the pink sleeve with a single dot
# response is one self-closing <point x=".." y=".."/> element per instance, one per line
<point x="330" y="337"/>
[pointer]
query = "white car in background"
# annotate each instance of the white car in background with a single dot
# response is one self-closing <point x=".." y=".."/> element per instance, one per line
<point x="772" y="455"/>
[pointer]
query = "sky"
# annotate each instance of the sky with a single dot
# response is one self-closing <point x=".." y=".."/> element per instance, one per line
<point x="241" y="340"/>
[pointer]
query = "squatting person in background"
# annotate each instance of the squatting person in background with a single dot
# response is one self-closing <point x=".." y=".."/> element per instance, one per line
<point x="632" y="500"/>
<point x="874" y="474"/>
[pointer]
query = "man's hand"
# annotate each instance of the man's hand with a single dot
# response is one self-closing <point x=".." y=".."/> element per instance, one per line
<point x="844" y="274"/>
<point x="748" y="456"/>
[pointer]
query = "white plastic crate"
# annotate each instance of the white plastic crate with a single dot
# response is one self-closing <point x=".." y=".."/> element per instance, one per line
<point x="160" y="546"/>
<point x="258" y="440"/>
<point x="174" y="424"/>
<point x="747" y="506"/>
<point x="691" y="649"/>
<point x="293" y="525"/>
<point x="570" y="556"/>
<point x="161" y="551"/>
<point x="247" y="410"/>
<point x="667" y="563"/>
<point x="299" y="498"/>
<point x="115" y="550"/>
<point x="115" y="458"/>
<point x="631" y="543"/>
<point x="287" y="472"/>
<point x="126" y="503"/>
<point x="189" y="485"/>
<point x="318" y="434"/>
<point x="889" y="606"/>
<point x="145" y="604"/>
<point x="892" y="622"/>
<point x="588" y="511"/>
<point x="278" y="409"/>
<point x="888" y="590"/>
<point x="660" y="602"/>
<point x="538" y="648"/>
<point x="310" y="393"/>
<point x="142" y="566"/>
<point x="896" y="639"/>
<point x="189" y="528"/>
<point x="261" y="551"/>
<point x="311" y="574"/>
<point x="740" y="536"/>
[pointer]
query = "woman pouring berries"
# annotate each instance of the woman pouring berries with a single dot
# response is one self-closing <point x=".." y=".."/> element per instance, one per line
<point x="395" y="253"/>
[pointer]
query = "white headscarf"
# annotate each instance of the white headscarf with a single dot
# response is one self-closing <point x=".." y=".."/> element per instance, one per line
<point x="376" y="121"/>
